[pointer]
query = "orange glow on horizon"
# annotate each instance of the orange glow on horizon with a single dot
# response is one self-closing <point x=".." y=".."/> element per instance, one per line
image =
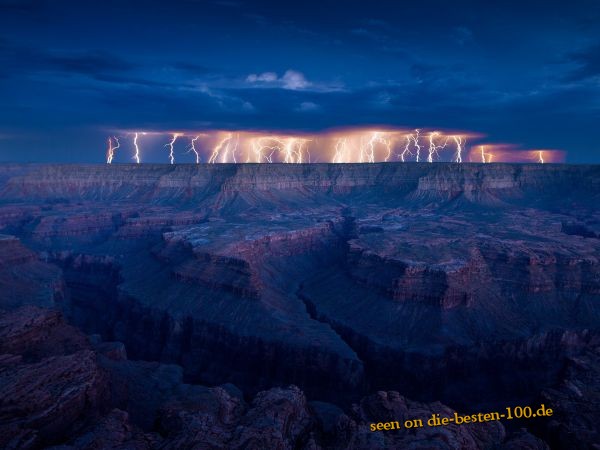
<point x="342" y="145"/>
<point x="509" y="153"/>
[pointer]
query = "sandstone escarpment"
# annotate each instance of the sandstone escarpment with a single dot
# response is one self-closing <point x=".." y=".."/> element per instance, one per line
<point x="189" y="183"/>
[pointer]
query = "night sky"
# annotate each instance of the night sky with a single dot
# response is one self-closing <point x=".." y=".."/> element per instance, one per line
<point x="74" y="72"/>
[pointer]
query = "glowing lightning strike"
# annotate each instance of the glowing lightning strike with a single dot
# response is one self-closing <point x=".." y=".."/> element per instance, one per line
<point x="363" y="145"/>
<point x="171" y="145"/>
<point x="406" y="152"/>
<point x="460" y="144"/>
<point x="136" y="155"/>
<point x="230" y="148"/>
<point x="237" y="141"/>
<point x="367" y="150"/>
<point x="294" y="150"/>
<point x="340" y="151"/>
<point x="217" y="149"/>
<point x="225" y="153"/>
<point x="193" y="149"/>
<point x="111" y="150"/>
<point x="371" y="152"/>
<point x="414" y="139"/>
<point x="485" y="157"/>
<point x="433" y="148"/>
<point x="258" y="148"/>
<point x="290" y="153"/>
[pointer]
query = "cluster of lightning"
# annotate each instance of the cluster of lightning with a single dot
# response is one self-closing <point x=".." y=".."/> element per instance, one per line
<point x="350" y="146"/>
<point x="225" y="150"/>
<point x="434" y="148"/>
<point x="269" y="149"/>
<point x="486" y="157"/>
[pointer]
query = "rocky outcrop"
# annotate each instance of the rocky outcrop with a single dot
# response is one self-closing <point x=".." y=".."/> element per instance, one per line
<point x="50" y="380"/>
<point x="35" y="333"/>
<point x="575" y="401"/>
<point x="230" y="258"/>
<point x="26" y="279"/>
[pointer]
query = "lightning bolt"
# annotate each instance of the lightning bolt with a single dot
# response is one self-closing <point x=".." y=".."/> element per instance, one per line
<point x="136" y="155"/>
<point x="259" y="147"/>
<point x="388" y="146"/>
<point x="367" y="147"/>
<point x="192" y="148"/>
<point x="237" y="141"/>
<point x="289" y="151"/>
<point x="406" y="152"/>
<point x="110" y="154"/>
<point x="415" y="138"/>
<point x="171" y="146"/>
<point x="433" y="147"/>
<point x="294" y="149"/>
<point x="225" y="154"/>
<point x="354" y="145"/>
<point x="340" y="150"/>
<point x="460" y="144"/>
<point x="412" y="138"/>
<point x="485" y="157"/>
<point x="230" y="148"/>
<point x="217" y="149"/>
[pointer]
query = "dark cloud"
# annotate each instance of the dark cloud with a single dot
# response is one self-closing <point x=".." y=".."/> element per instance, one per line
<point x="86" y="63"/>
<point x="588" y="61"/>
<point x="17" y="6"/>
<point x="15" y="59"/>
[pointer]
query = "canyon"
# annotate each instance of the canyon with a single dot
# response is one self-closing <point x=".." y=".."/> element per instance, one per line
<point x="291" y="305"/>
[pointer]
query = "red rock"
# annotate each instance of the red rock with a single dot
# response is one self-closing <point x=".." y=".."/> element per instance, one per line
<point x="36" y="333"/>
<point x="48" y="397"/>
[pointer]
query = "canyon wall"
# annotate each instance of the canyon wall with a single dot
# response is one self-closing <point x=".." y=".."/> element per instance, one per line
<point x="472" y="284"/>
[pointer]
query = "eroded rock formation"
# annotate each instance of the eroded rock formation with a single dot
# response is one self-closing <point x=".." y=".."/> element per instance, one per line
<point x="473" y="285"/>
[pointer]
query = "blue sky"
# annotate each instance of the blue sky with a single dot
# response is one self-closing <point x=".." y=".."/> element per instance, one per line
<point x="73" y="72"/>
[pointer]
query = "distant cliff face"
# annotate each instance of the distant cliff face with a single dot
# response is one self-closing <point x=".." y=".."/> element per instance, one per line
<point x="185" y="182"/>
<point x="473" y="284"/>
